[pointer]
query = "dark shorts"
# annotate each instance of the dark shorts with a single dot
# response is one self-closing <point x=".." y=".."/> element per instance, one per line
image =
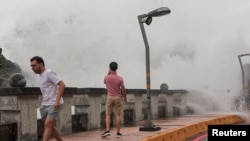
<point x="48" y="111"/>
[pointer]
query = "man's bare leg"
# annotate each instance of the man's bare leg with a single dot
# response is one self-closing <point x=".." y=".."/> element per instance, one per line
<point x="56" y="134"/>
<point x="118" y="123"/>
<point x="107" y="122"/>
<point x="48" y="124"/>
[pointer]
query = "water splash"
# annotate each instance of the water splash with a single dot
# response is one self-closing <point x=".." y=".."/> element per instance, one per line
<point x="194" y="47"/>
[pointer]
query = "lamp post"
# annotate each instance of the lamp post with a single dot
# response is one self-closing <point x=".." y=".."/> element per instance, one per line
<point x="147" y="18"/>
<point x="243" y="79"/>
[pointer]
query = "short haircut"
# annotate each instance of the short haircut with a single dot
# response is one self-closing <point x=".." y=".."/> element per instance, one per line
<point x="38" y="59"/>
<point x="113" y="66"/>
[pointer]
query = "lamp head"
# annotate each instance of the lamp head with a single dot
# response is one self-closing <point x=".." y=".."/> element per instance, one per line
<point x="159" y="12"/>
<point x="148" y="20"/>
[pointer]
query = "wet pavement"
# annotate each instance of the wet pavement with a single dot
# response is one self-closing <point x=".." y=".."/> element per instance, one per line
<point x="133" y="133"/>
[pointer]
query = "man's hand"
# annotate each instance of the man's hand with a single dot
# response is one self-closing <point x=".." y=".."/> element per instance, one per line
<point x="125" y="99"/>
<point x="57" y="105"/>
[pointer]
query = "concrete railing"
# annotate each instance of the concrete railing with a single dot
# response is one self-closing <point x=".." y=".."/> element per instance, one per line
<point x="19" y="105"/>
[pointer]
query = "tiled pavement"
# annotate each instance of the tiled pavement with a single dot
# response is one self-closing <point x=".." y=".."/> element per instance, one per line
<point x="133" y="133"/>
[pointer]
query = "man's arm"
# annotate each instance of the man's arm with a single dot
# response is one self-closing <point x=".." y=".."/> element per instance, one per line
<point x="109" y="72"/>
<point x="124" y="94"/>
<point x="61" y="87"/>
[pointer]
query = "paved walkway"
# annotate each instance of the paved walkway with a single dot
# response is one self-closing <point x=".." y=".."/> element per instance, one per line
<point x="133" y="133"/>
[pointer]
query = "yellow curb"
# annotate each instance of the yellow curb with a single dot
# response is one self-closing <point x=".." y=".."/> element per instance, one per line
<point x="184" y="132"/>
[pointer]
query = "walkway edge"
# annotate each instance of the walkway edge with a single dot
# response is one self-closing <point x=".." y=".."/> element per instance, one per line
<point x="187" y="131"/>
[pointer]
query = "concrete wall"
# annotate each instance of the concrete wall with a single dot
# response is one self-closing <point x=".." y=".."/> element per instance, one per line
<point x="19" y="105"/>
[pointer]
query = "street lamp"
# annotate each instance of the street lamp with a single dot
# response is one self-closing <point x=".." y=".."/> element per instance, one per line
<point x="243" y="78"/>
<point x="147" y="18"/>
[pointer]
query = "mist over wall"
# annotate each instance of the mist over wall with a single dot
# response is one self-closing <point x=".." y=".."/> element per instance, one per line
<point x="194" y="47"/>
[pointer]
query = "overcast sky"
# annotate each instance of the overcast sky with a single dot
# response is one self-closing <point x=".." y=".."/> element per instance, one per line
<point x="195" y="46"/>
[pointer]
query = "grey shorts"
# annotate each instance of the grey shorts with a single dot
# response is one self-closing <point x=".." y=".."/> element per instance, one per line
<point x="48" y="111"/>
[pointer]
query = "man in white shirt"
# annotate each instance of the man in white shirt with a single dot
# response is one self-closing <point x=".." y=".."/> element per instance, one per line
<point x="52" y="88"/>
